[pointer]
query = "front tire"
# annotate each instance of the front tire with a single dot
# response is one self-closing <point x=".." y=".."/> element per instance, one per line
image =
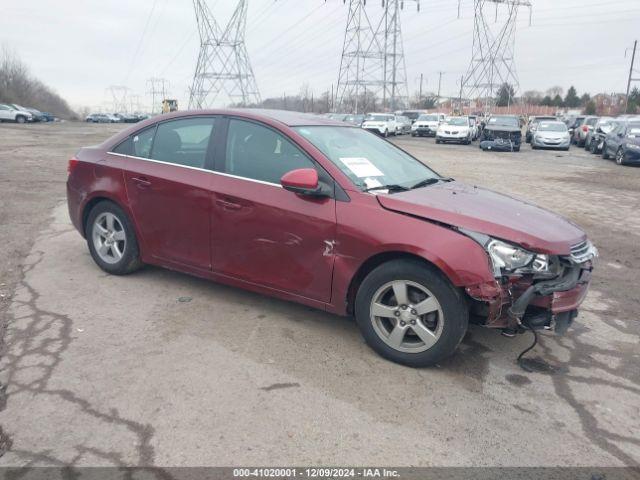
<point x="620" y="156"/>
<point x="21" y="119"/>
<point x="112" y="240"/>
<point x="409" y="313"/>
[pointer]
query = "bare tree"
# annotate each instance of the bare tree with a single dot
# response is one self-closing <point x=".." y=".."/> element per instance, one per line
<point x="18" y="86"/>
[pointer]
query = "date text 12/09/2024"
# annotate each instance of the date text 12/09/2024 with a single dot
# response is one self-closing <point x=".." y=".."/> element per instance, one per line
<point x="315" y="473"/>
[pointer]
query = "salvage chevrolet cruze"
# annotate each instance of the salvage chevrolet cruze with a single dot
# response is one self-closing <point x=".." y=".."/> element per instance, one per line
<point x="315" y="211"/>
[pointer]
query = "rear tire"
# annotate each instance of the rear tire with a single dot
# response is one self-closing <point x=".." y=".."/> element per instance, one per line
<point x="112" y="240"/>
<point x="418" y="330"/>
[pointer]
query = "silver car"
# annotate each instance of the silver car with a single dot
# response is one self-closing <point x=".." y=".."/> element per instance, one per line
<point x="551" y="134"/>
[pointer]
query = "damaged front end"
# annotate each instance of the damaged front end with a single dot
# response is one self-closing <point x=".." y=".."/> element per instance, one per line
<point x="499" y="139"/>
<point x="531" y="291"/>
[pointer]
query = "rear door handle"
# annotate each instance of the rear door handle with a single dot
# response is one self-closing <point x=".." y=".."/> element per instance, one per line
<point x="142" y="182"/>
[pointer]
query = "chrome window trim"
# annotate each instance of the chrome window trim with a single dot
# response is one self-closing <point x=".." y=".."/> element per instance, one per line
<point x="197" y="169"/>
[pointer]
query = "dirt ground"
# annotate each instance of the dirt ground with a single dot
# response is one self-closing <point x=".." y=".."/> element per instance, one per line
<point x="162" y="369"/>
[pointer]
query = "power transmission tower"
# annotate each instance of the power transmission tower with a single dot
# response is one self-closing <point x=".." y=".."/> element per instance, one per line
<point x="492" y="57"/>
<point x="119" y="101"/>
<point x="158" y="89"/>
<point x="372" y="65"/>
<point x="223" y="63"/>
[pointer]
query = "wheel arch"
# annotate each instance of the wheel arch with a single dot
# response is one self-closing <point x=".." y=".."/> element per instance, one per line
<point x="375" y="261"/>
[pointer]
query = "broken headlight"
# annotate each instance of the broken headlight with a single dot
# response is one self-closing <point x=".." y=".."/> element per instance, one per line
<point x="509" y="259"/>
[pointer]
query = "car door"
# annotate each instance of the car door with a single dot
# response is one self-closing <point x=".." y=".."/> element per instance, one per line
<point x="169" y="180"/>
<point x="267" y="235"/>
<point x="614" y="138"/>
<point x="5" y="113"/>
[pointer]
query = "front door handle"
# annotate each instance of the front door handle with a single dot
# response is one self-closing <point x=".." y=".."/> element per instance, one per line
<point x="227" y="205"/>
<point x="142" y="182"/>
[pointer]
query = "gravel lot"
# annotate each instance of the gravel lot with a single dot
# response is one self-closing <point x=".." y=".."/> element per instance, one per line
<point x="159" y="368"/>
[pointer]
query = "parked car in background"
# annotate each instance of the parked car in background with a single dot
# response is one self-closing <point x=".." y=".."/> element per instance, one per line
<point x="9" y="113"/>
<point x="47" y="117"/>
<point x="502" y="133"/>
<point x="362" y="228"/>
<point x="455" y="129"/>
<point x="427" y="124"/>
<point x="412" y="115"/>
<point x="595" y="138"/>
<point x="355" y="120"/>
<point x="403" y="125"/>
<point x="551" y="134"/>
<point x="382" y="123"/>
<point x="581" y="131"/>
<point x="37" y="115"/>
<point x="623" y="142"/>
<point x="97" y="118"/>
<point x="533" y="124"/>
<point x="475" y="127"/>
<point x="573" y="123"/>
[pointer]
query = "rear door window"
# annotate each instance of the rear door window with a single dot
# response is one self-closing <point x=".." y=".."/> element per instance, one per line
<point x="183" y="142"/>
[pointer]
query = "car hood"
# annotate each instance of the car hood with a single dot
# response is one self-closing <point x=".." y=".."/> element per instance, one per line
<point x="547" y="134"/>
<point x="488" y="212"/>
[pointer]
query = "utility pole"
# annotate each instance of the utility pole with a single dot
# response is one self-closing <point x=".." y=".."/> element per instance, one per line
<point x="439" y="84"/>
<point x="223" y="63"/>
<point x="420" y="95"/>
<point x="631" y="79"/>
<point x="461" y="84"/>
<point x="157" y="88"/>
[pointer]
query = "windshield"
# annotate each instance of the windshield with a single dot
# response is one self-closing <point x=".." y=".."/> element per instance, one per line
<point x="428" y="118"/>
<point x="378" y="118"/>
<point x="552" y="127"/>
<point x="368" y="160"/>
<point x="505" y="121"/>
<point x="457" y="121"/>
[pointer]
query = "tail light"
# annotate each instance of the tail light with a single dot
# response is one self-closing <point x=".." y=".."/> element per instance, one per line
<point x="585" y="128"/>
<point x="73" y="163"/>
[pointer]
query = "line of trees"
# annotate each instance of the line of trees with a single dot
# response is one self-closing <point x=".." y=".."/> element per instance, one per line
<point x="553" y="97"/>
<point x="17" y="85"/>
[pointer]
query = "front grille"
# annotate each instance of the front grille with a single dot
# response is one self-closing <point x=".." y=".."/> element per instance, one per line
<point x="582" y="252"/>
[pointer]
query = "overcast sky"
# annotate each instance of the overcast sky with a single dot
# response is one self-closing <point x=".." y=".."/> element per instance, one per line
<point x="80" y="47"/>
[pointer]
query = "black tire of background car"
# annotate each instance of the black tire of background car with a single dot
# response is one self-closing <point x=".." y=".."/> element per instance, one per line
<point x="453" y="305"/>
<point x="605" y="154"/>
<point x="130" y="261"/>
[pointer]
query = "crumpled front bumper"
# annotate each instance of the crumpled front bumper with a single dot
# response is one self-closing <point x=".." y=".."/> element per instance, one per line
<point x="521" y="301"/>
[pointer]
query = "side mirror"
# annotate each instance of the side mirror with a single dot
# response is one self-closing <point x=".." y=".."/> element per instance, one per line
<point x="303" y="181"/>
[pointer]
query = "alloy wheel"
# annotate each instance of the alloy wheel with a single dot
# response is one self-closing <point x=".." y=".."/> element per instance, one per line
<point x="620" y="156"/>
<point x="109" y="238"/>
<point x="406" y="316"/>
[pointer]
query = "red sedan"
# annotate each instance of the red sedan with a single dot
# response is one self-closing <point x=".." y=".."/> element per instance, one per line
<point x="325" y="214"/>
